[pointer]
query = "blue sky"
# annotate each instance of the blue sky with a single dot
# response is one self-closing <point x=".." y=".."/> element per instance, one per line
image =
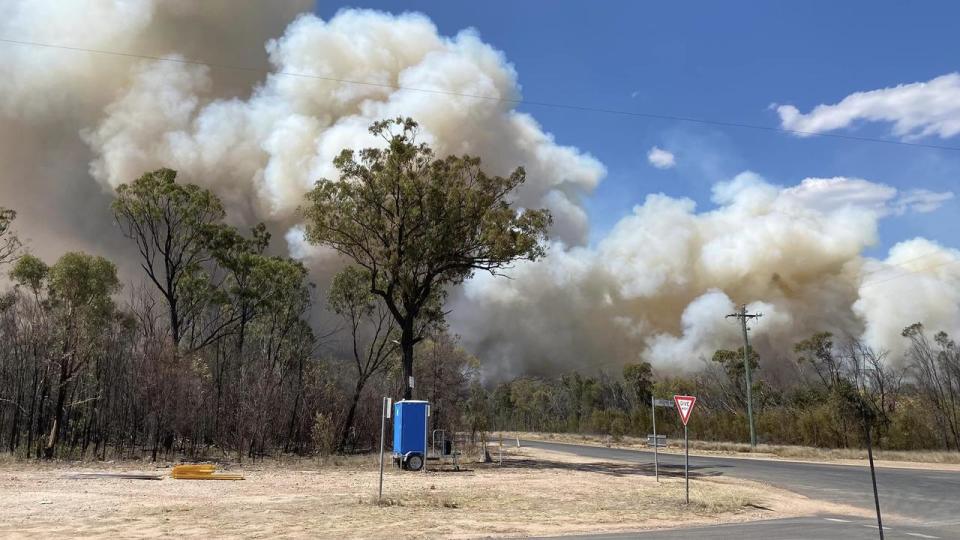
<point x="724" y="61"/>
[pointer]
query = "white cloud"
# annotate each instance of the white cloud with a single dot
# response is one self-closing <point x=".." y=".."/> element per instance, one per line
<point x="660" y="158"/>
<point x="829" y="194"/>
<point x="921" y="201"/>
<point x="917" y="109"/>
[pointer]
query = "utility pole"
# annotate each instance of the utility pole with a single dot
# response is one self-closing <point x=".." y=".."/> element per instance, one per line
<point x="743" y="316"/>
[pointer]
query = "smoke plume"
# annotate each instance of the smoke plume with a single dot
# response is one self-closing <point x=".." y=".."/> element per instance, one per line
<point x="76" y="124"/>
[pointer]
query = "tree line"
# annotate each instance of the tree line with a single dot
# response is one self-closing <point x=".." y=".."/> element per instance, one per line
<point x="831" y="389"/>
<point x="214" y="351"/>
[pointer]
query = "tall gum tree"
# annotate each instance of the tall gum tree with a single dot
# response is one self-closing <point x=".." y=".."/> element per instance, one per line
<point x="79" y="298"/>
<point x="418" y="224"/>
<point x="171" y="224"/>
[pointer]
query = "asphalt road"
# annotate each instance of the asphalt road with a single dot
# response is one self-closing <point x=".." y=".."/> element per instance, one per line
<point x="916" y="503"/>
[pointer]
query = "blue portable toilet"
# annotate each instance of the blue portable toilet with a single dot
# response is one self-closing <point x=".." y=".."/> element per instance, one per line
<point x="410" y="433"/>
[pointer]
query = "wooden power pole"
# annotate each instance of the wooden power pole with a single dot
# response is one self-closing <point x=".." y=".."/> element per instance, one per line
<point x="743" y="316"/>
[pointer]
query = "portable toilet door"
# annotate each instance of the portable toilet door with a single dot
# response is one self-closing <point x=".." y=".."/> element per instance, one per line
<point x="410" y="433"/>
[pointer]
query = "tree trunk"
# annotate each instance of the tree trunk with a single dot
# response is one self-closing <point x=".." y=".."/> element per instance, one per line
<point x="54" y="436"/>
<point x="15" y="425"/>
<point x="156" y="440"/>
<point x="351" y="413"/>
<point x="406" y="346"/>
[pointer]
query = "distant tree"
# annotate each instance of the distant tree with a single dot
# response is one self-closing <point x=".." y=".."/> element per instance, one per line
<point x="417" y="223"/>
<point x="732" y="362"/>
<point x="936" y="367"/>
<point x="9" y="243"/>
<point x="171" y="224"/>
<point x="639" y="379"/>
<point x="734" y="393"/>
<point x="817" y="351"/>
<point x="240" y="258"/>
<point x="372" y="334"/>
<point x="80" y="290"/>
<point x="30" y="272"/>
<point x="444" y="371"/>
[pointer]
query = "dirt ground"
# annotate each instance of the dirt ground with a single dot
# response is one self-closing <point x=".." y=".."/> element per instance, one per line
<point x="534" y="493"/>
<point x="928" y="460"/>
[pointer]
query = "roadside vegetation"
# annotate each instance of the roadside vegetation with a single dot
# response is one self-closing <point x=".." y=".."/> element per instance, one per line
<point x="820" y="397"/>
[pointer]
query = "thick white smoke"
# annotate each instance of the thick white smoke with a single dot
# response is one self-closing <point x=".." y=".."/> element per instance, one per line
<point x="269" y="149"/>
<point x="76" y="124"/>
<point x="659" y="286"/>
<point x="49" y="95"/>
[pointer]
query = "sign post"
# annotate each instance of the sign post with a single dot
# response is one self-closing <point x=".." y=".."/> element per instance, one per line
<point x="656" y="451"/>
<point x="685" y="407"/>
<point x="384" y="414"/>
<point x="654" y="403"/>
<point x="426" y="423"/>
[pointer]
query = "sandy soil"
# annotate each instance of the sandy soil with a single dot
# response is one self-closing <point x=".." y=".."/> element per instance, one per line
<point x="941" y="461"/>
<point x="534" y="493"/>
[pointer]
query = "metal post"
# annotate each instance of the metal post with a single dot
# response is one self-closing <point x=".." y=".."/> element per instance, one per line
<point x="746" y="364"/>
<point x="501" y="450"/>
<point x="686" y="461"/>
<point x="453" y="448"/>
<point x="383" y="427"/>
<point x="656" y="453"/>
<point x="426" y="425"/>
<point x="873" y="477"/>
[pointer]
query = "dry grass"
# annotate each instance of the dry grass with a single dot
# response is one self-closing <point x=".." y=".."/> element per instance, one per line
<point x="807" y="453"/>
<point x="534" y="493"/>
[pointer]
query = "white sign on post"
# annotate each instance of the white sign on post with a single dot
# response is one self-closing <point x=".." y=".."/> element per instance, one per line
<point x="685" y="407"/>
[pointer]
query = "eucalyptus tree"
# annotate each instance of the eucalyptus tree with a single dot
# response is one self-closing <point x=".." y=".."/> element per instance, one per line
<point x="29" y="339"/>
<point x="418" y="223"/>
<point x="80" y="289"/>
<point x="373" y="334"/>
<point x="9" y="242"/>
<point x="171" y="224"/>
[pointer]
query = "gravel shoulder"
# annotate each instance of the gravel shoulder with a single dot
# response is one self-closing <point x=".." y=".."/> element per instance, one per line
<point x="534" y="493"/>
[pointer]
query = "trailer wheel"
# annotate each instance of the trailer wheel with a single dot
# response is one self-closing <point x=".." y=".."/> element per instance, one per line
<point x="414" y="462"/>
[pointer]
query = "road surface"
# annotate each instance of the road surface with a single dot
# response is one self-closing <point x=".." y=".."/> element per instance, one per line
<point x="916" y="503"/>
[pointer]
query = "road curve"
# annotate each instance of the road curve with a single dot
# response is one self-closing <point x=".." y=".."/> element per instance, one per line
<point x="922" y="503"/>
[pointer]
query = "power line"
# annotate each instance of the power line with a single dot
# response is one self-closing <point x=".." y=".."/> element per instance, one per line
<point x="565" y="106"/>
<point x="887" y="266"/>
<point x="910" y="273"/>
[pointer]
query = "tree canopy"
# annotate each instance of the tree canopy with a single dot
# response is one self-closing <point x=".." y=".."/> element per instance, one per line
<point x="171" y="224"/>
<point x="418" y="223"/>
<point x="9" y="242"/>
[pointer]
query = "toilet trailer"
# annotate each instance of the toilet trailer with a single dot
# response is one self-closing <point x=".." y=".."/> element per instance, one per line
<point x="410" y="433"/>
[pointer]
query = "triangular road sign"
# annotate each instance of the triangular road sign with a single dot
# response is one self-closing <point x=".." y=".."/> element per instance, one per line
<point x="684" y="406"/>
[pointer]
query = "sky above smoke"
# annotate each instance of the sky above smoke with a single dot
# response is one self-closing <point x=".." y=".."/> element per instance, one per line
<point x="77" y="124"/>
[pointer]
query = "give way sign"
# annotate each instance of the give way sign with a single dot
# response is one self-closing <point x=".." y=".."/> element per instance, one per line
<point x="684" y="406"/>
